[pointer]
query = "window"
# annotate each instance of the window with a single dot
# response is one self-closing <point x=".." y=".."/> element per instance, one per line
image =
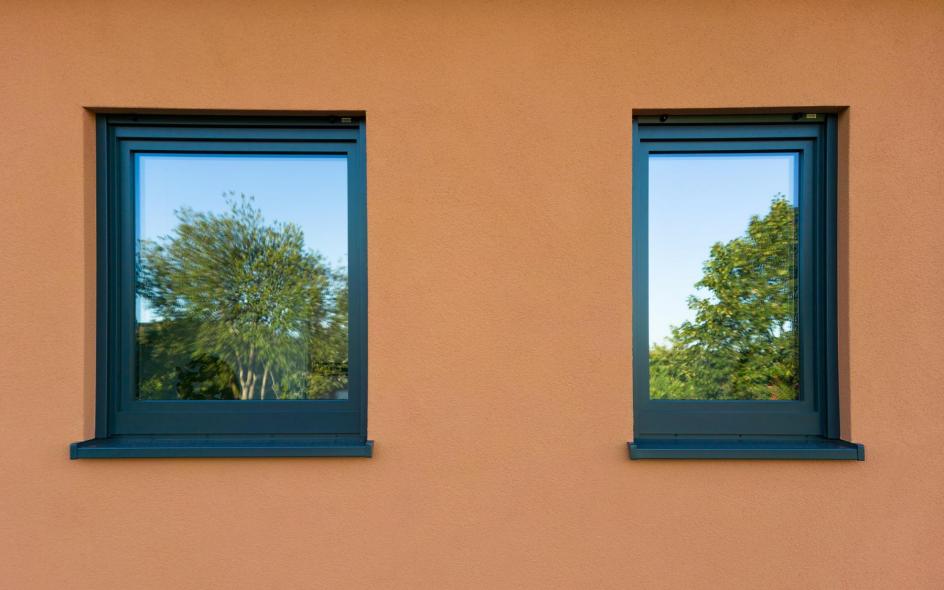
<point x="232" y="288"/>
<point x="734" y="288"/>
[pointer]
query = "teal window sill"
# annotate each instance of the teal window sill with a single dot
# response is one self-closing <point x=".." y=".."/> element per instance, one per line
<point x="803" y="449"/>
<point x="162" y="447"/>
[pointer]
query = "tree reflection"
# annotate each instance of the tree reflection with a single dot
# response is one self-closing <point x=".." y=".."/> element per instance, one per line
<point x="242" y="310"/>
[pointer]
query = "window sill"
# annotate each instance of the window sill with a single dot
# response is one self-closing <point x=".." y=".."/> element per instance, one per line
<point x="158" y="447"/>
<point x="746" y="449"/>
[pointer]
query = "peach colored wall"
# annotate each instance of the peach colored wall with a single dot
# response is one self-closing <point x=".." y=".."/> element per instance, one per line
<point x="499" y="224"/>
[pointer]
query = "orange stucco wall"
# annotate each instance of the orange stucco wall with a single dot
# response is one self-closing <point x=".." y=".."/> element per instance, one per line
<point x="499" y="228"/>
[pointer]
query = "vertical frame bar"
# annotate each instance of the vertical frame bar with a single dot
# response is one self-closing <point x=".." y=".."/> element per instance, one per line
<point x="640" y="276"/>
<point x="103" y="155"/>
<point x="357" y="273"/>
<point x="831" y="344"/>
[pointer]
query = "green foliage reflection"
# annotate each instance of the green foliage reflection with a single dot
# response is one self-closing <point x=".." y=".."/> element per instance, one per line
<point x="243" y="311"/>
<point x="742" y="344"/>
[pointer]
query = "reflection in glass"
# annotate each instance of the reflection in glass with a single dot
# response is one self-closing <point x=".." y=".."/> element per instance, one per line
<point x="241" y="277"/>
<point x="723" y="277"/>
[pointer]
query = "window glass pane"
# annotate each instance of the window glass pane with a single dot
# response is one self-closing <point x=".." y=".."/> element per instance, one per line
<point x="723" y="277"/>
<point x="241" y="277"/>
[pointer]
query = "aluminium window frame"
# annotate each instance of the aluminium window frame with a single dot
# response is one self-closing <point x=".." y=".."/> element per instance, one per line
<point x="129" y="427"/>
<point x="805" y="428"/>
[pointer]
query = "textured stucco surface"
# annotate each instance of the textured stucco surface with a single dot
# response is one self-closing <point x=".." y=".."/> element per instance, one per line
<point x="499" y="228"/>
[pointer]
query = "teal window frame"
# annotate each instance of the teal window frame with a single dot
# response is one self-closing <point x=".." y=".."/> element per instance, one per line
<point x="128" y="427"/>
<point x="806" y="428"/>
